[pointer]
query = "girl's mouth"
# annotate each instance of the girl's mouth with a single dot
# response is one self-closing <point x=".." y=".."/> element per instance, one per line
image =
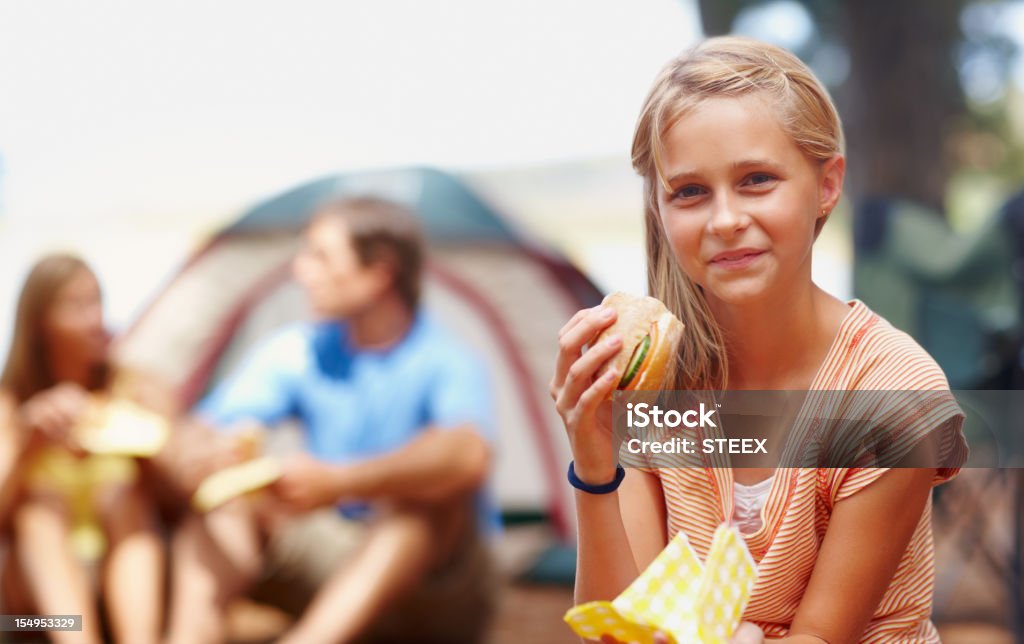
<point x="736" y="260"/>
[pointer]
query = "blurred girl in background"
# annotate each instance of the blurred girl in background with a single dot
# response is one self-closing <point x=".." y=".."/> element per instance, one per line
<point x="79" y="521"/>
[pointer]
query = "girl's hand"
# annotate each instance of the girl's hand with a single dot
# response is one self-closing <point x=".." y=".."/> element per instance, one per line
<point x="578" y="396"/>
<point x="54" y="411"/>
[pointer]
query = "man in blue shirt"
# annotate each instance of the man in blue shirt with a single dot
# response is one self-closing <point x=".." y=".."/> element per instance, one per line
<point x="397" y="418"/>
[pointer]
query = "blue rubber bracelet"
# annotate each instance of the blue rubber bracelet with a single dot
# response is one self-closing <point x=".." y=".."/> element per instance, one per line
<point x="604" y="488"/>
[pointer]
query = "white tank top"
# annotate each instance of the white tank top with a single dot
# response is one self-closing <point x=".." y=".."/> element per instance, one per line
<point x="747" y="503"/>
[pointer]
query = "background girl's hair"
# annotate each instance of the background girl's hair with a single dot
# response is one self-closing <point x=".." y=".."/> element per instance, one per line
<point x="26" y="372"/>
<point x="726" y="66"/>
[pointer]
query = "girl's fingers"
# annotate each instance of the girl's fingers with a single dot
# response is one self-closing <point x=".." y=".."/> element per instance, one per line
<point x="596" y="393"/>
<point x="56" y="420"/>
<point x="570" y="344"/>
<point x="52" y="409"/>
<point x="579" y="315"/>
<point x="566" y="356"/>
<point x="47" y="422"/>
<point x="72" y="401"/>
<point x="65" y="409"/>
<point x="581" y="373"/>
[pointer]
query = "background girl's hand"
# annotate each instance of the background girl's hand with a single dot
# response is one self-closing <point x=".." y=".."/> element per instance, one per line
<point x="578" y="395"/>
<point x="54" y="411"/>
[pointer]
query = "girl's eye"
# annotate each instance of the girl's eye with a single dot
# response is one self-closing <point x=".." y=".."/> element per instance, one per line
<point x="760" y="178"/>
<point x="688" y="192"/>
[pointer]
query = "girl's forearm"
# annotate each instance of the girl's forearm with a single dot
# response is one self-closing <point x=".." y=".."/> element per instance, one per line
<point x="604" y="564"/>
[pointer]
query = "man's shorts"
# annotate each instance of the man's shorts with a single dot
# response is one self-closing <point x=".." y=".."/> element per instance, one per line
<point x="452" y="605"/>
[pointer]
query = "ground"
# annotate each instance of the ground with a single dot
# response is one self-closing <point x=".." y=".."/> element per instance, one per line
<point x="532" y="614"/>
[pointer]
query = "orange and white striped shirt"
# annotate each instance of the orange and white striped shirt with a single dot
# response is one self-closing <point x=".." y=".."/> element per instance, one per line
<point x="868" y="354"/>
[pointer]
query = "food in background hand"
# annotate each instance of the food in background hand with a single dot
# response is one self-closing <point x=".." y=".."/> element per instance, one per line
<point x="120" y="427"/>
<point x="232" y="482"/>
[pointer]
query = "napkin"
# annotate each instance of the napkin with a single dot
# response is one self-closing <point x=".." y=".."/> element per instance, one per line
<point x="678" y="595"/>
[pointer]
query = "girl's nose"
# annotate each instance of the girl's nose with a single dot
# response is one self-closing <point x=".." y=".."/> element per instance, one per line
<point x="726" y="220"/>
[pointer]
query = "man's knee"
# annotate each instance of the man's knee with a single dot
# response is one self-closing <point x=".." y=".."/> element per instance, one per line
<point x="436" y="530"/>
<point x="458" y="577"/>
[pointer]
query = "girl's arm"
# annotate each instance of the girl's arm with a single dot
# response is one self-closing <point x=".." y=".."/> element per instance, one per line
<point x="607" y="559"/>
<point x="867" y="536"/>
<point x="610" y="556"/>
<point x="644" y="516"/>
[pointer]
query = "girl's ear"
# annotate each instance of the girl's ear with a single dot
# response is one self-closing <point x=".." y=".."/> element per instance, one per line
<point x="830" y="185"/>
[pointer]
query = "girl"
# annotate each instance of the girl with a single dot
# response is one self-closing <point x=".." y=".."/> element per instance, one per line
<point x="741" y="151"/>
<point x="11" y="448"/>
<point x="58" y="359"/>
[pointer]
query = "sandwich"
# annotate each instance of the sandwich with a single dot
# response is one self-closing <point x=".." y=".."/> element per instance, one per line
<point x="254" y="473"/>
<point x="120" y="427"/>
<point x="650" y="341"/>
<point x="235" y="481"/>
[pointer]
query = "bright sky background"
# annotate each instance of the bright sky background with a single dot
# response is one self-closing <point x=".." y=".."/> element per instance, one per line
<point x="130" y="129"/>
<point x="122" y="109"/>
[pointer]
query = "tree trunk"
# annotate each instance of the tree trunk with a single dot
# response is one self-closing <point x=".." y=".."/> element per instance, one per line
<point x="716" y="16"/>
<point x="902" y="96"/>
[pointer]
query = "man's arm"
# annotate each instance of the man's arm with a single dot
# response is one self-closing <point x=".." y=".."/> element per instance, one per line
<point x="446" y="459"/>
<point x="439" y="465"/>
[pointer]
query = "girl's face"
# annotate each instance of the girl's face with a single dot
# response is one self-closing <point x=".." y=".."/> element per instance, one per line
<point x="74" y="323"/>
<point x="743" y="200"/>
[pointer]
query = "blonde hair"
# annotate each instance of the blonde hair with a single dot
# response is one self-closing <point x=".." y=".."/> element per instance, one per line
<point x="726" y="66"/>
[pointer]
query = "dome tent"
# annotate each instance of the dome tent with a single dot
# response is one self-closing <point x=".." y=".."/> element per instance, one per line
<point x="502" y="293"/>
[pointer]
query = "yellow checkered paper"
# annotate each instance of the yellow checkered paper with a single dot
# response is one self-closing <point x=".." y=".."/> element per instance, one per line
<point x="690" y="602"/>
